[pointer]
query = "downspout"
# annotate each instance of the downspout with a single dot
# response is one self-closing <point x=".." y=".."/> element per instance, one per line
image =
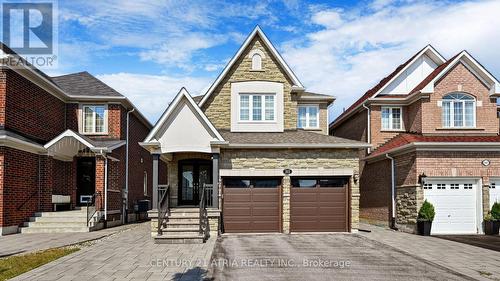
<point x="393" y="192"/>
<point x="126" y="165"/>
<point x="368" y="127"/>
<point x="105" y="187"/>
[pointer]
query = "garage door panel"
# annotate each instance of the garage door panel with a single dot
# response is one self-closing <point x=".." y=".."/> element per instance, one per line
<point x="317" y="208"/>
<point x="261" y="209"/>
<point x="456" y="208"/>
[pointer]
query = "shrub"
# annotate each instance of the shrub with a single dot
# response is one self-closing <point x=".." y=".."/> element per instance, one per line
<point x="426" y="212"/>
<point x="488" y="217"/>
<point x="495" y="211"/>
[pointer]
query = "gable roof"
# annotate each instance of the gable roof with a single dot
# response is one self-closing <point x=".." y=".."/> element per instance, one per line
<point x="427" y="85"/>
<point x="386" y="81"/>
<point x="183" y="93"/>
<point x="84" y="84"/>
<point x="256" y="32"/>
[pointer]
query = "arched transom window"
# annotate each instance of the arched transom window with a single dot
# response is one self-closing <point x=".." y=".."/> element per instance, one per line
<point x="459" y="111"/>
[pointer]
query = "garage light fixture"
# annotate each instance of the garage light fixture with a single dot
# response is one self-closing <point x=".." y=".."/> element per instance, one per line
<point x="421" y="178"/>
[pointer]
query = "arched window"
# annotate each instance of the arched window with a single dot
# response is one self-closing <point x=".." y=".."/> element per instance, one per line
<point x="459" y="111"/>
<point x="256" y="62"/>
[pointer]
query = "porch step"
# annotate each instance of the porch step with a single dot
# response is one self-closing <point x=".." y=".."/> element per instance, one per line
<point x="177" y="238"/>
<point x="61" y="222"/>
<point x="182" y="227"/>
<point x="55" y="224"/>
<point x="53" y="229"/>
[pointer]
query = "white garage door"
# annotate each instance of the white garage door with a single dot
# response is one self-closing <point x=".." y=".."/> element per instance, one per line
<point x="455" y="205"/>
<point x="494" y="191"/>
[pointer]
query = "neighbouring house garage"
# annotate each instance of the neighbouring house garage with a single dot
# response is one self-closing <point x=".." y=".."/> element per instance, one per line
<point x="319" y="204"/>
<point x="252" y="205"/>
<point x="455" y="201"/>
<point x="494" y="191"/>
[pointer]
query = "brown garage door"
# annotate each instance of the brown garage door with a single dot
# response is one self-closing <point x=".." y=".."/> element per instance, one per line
<point x="319" y="204"/>
<point x="251" y="205"/>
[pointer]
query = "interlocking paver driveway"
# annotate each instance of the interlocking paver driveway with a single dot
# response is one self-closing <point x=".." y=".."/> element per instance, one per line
<point x="281" y="257"/>
<point x="129" y="255"/>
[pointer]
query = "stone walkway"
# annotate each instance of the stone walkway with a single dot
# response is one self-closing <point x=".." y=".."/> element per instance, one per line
<point x="23" y="243"/>
<point x="129" y="255"/>
<point x="472" y="261"/>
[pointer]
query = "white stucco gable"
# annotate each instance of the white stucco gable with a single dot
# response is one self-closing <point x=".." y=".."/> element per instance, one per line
<point x="183" y="127"/>
<point x="420" y="66"/>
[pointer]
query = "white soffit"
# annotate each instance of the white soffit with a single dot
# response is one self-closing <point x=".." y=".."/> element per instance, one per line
<point x="413" y="73"/>
<point x="274" y="52"/>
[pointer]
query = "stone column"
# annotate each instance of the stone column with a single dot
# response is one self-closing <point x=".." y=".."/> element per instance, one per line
<point x="286" y="203"/>
<point x="156" y="157"/>
<point x="355" y="194"/>
<point x="215" y="179"/>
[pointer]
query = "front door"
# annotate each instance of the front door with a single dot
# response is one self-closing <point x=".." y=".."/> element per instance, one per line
<point x="85" y="180"/>
<point x="192" y="175"/>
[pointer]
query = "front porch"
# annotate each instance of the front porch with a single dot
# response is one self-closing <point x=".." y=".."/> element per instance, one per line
<point x="80" y="190"/>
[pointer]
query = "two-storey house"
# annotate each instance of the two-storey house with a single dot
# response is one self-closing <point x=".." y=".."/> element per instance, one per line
<point x="257" y="142"/>
<point x="434" y="129"/>
<point x="67" y="142"/>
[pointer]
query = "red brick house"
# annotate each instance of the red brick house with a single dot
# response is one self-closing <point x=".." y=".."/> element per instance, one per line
<point x="62" y="140"/>
<point x="434" y="127"/>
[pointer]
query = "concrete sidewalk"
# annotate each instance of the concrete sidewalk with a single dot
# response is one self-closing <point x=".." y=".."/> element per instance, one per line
<point x="471" y="261"/>
<point x="23" y="243"/>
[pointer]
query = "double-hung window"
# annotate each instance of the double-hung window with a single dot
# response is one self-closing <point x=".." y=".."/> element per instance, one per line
<point x="459" y="111"/>
<point x="257" y="107"/>
<point x="308" y="116"/>
<point x="392" y="118"/>
<point x="94" y="119"/>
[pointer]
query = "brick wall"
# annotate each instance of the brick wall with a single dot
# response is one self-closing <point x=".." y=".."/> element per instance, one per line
<point x="460" y="79"/>
<point x="19" y="186"/>
<point x="31" y="111"/>
<point x="65" y="179"/>
<point x="116" y="120"/>
<point x="354" y="128"/>
<point x="375" y="189"/>
<point x="218" y="107"/>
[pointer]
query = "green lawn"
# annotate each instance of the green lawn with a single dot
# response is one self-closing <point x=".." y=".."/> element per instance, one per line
<point x="17" y="265"/>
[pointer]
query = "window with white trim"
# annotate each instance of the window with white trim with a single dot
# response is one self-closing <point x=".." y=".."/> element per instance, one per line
<point x="441" y="186"/>
<point x="94" y="119"/>
<point x="467" y="185"/>
<point x="145" y="183"/>
<point x="454" y="186"/>
<point x="308" y="117"/>
<point x="392" y="118"/>
<point x="257" y="107"/>
<point x="427" y="185"/>
<point x="459" y="111"/>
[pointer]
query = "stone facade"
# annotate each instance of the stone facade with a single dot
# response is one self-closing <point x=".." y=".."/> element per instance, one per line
<point x="218" y="107"/>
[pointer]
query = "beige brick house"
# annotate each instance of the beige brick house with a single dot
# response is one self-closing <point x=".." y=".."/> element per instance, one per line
<point x="252" y="154"/>
<point x="434" y="126"/>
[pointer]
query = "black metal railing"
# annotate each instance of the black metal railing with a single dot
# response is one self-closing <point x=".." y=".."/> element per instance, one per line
<point x="209" y="195"/>
<point x="204" y="225"/>
<point x="32" y="195"/>
<point x="163" y="206"/>
<point x="94" y="204"/>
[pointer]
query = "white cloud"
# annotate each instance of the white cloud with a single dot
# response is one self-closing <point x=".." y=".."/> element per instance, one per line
<point x="152" y="93"/>
<point x="356" y="49"/>
<point x="177" y="51"/>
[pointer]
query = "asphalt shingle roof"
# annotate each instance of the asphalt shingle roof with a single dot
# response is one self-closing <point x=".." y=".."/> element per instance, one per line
<point x="287" y="137"/>
<point x="84" y="84"/>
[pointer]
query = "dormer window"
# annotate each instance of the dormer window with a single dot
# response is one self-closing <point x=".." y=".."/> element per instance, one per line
<point x="459" y="111"/>
<point x="308" y="116"/>
<point x="256" y="55"/>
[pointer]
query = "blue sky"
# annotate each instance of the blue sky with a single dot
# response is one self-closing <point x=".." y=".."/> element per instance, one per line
<point x="147" y="50"/>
